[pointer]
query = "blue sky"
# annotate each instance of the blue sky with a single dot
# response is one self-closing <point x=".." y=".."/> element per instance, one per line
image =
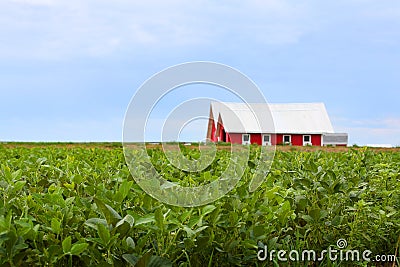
<point x="68" y="68"/>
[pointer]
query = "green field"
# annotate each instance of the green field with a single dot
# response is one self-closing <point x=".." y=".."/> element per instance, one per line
<point x="78" y="205"/>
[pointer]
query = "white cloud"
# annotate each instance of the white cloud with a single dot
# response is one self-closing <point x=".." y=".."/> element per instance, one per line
<point x="36" y="2"/>
<point x="55" y="29"/>
<point x="392" y="122"/>
<point x="78" y="130"/>
<point x="370" y="131"/>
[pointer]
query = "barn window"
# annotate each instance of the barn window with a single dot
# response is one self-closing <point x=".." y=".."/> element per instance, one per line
<point x="307" y="140"/>
<point x="266" y="141"/>
<point x="287" y="139"/>
<point x="245" y="139"/>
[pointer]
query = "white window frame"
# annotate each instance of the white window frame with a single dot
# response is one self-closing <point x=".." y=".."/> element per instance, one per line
<point x="290" y="139"/>
<point x="308" y="142"/>
<point x="264" y="143"/>
<point x="246" y="142"/>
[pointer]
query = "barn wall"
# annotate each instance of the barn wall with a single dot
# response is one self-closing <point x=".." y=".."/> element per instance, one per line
<point x="297" y="139"/>
<point x="213" y="129"/>
<point x="236" y="138"/>
<point x="316" y="139"/>
<point x="210" y="129"/>
<point x="221" y="133"/>
<point x="255" y="139"/>
<point x="276" y="139"/>
<point x="227" y="137"/>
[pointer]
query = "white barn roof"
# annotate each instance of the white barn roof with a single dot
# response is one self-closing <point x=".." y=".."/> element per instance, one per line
<point x="287" y="118"/>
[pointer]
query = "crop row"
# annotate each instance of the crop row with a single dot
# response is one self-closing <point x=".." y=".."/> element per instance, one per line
<point x="81" y="207"/>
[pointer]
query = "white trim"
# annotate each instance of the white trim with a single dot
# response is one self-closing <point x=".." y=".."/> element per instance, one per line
<point x="266" y="143"/>
<point x="305" y="143"/>
<point x="248" y="142"/>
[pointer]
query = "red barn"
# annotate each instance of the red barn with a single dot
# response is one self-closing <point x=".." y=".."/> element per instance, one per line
<point x="296" y="124"/>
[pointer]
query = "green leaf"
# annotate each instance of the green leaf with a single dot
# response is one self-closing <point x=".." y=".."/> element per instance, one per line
<point x="195" y="220"/>
<point x="19" y="185"/>
<point x="66" y="244"/>
<point x="147" y="201"/>
<point x="130" y="242"/>
<point x="270" y="194"/>
<point x="7" y="173"/>
<point x="189" y="243"/>
<point x="251" y="164"/>
<point x="69" y="201"/>
<point x="307" y="218"/>
<point x="123" y="191"/>
<point x="185" y="215"/>
<point x="315" y="214"/>
<point x="337" y="220"/>
<point x="78" y="248"/>
<point x="148" y="218"/>
<point x="191" y="232"/>
<point x="128" y="219"/>
<point x="323" y="214"/>
<point x="124" y="225"/>
<point x="159" y="217"/>
<point x="93" y="222"/>
<point x="285" y="207"/>
<point x="188" y="231"/>
<point x="130" y="258"/>
<point x="198" y="230"/>
<point x="16" y="175"/>
<point x="207" y="209"/>
<point x="56" y="226"/>
<point x="10" y="242"/>
<point x="149" y="260"/>
<point x="337" y="187"/>
<point x="301" y="202"/>
<point x="5" y="222"/>
<point x="54" y="251"/>
<point x="207" y="176"/>
<point x="258" y="230"/>
<point x="104" y="233"/>
<point x="77" y="179"/>
<point x="109" y="213"/>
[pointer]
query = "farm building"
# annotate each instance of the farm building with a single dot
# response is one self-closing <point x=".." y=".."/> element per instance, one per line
<point x="296" y="124"/>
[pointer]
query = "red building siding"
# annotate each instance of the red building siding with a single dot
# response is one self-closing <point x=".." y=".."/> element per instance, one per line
<point x="316" y="139"/>
<point x="236" y="138"/>
<point x="213" y="129"/>
<point x="296" y="139"/>
<point x="255" y="138"/>
<point x="276" y="139"/>
<point x="227" y="138"/>
<point x="221" y="133"/>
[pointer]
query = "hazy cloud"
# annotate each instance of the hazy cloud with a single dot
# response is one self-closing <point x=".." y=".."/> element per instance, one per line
<point x="61" y="29"/>
<point x="371" y="131"/>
